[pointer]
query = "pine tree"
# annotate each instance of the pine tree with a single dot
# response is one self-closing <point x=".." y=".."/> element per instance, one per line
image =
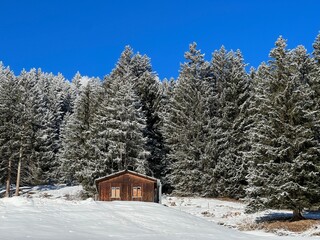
<point x="48" y="103"/>
<point x="59" y="107"/>
<point x="137" y="69"/>
<point x="233" y="96"/>
<point x="75" y="90"/>
<point x="315" y="83"/>
<point x="148" y="90"/>
<point x="316" y="49"/>
<point x="123" y="66"/>
<point x="25" y="127"/>
<point x="28" y="84"/>
<point x="188" y="124"/>
<point x="119" y="125"/>
<point x="164" y="113"/>
<point x="284" y="165"/>
<point x="16" y="127"/>
<point x="8" y="123"/>
<point x="77" y="152"/>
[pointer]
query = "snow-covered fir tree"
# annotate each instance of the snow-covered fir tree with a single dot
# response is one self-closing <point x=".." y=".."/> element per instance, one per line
<point x="137" y="69"/>
<point x="233" y="96"/>
<point x="167" y="90"/>
<point x="187" y="128"/>
<point x="118" y="127"/>
<point x="50" y="104"/>
<point x="77" y="153"/>
<point x="9" y="120"/>
<point x="148" y="89"/>
<point x="284" y="158"/>
<point x="27" y="83"/>
<point x="316" y="49"/>
<point x="75" y="89"/>
<point x="316" y="74"/>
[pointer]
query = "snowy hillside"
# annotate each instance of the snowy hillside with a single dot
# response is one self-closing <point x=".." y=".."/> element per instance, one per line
<point x="47" y="215"/>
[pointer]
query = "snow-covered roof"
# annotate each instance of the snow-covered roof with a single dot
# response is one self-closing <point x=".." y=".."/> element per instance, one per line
<point x="122" y="172"/>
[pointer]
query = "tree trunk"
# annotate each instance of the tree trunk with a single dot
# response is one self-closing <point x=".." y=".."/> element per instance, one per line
<point x="8" y="182"/>
<point x="19" y="171"/>
<point x="297" y="216"/>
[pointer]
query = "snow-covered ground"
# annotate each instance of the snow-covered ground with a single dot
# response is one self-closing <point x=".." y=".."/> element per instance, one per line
<point x="53" y="213"/>
<point x="232" y="214"/>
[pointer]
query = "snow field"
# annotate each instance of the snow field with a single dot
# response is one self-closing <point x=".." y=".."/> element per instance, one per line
<point x="47" y="215"/>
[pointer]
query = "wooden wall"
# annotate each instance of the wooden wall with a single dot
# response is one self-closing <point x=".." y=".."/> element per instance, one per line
<point x="126" y="182"/>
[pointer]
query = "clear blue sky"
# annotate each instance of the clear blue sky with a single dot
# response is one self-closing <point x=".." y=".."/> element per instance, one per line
<point x="70" y="35"/>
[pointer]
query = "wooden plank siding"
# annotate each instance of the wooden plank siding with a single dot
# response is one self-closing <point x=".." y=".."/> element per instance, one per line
<point x="126" y="181"/>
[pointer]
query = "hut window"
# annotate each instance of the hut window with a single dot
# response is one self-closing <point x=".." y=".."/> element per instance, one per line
<point x="115" y="192"/>
<point x="136" y="192"/>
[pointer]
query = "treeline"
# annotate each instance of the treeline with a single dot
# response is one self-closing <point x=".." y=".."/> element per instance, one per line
<point x="215" y="131"/>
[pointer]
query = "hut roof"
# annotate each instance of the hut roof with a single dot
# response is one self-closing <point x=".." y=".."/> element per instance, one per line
<point x="123" y="172"/>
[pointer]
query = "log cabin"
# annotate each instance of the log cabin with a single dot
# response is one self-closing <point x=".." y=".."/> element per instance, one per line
<point x="128" y="185"/>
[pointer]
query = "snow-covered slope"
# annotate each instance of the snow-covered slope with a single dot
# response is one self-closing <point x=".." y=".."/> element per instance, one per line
<point x="56" y="218"/>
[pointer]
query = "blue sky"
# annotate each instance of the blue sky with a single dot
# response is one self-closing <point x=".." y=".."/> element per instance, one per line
<point x="67" y="35"/>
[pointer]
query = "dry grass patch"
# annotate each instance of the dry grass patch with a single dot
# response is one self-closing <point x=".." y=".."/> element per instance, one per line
<point x="248" y="225"/>
<point x="281" y="225"/>
<point x="297" y="226"/>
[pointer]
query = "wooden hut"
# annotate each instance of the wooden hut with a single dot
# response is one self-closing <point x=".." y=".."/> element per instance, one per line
<point x="127" y="185"/>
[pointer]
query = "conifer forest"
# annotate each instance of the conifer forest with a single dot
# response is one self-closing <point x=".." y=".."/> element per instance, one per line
<point x="218" y="130"/>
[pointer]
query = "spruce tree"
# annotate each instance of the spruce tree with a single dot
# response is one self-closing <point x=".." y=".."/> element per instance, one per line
<point x="25" y="128"/>
<point x="9" y="141"/>
<point x="75" y="89"/>
<point x="284" y="165"/>
<point x="187" y="126"/>
<point x="118" y="126"/>
<point x="49" y="105"/>
<point x="167" y="91"/>
<point x="149" y="92"/>
<point x="316" y="49"/>
<point x="137" y="69"/>
<point x="315" y="83"/>
<point x="233" y="97"/>
<point x="77" y="152"/>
